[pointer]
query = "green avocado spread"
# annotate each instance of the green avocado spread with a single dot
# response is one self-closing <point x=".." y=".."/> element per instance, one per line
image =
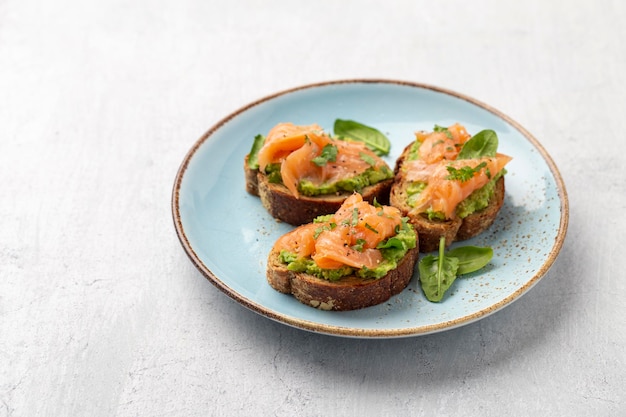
<point x="356" y="183"/>
<point x="392" y="250"/>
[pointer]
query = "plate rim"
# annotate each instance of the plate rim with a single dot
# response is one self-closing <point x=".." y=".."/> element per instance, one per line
<point x="373" y="332"/>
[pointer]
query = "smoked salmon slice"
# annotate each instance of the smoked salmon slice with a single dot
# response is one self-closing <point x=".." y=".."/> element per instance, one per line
<point x="444" y="143"/>
<point x="300" y="241"/>
<point x="349" y="237"/>
<point x="296" y="148"/>
<point x="448" y="180"/>
<point x="282" y="139"/>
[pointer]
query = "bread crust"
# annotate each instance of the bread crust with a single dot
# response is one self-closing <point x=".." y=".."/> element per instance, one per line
<point x="284" y="206"/>
<point x="348" y="293"/>
<point x="252" y="184"/>
<point x="430" y="231"/>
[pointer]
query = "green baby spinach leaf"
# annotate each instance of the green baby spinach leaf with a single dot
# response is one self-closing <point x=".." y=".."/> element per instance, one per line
<point x="373" y="138"/>
<point x="253" y="158"/>
<point x="482" y="144"/>
<point x="471" y="258"/>
<point x="392" y="242"/>
<point x="438" y="273"/>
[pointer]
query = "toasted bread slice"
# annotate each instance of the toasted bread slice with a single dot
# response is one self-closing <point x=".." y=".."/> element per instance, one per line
<point x="430" y="231"/>
<point x="284" y="206"/>
<point x="348" y="293"/>
<point x="252" y="183"/>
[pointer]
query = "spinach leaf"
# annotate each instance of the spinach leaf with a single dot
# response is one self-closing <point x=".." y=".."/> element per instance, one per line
<point x="253" y="158"/>
<point x="482" y="144"/>
<point x="437" y="273"/>
<point x="373" y="138"/>
<point x="471" y="258"/>
<point x="392" y="242"/>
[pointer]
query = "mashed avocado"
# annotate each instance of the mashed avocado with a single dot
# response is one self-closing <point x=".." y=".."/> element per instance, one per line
<point x="392" y="250"/>
<point x="369" y="177"/>
<point x="479" y="199"/>
<point x="413" y="151"/>
<point x="273" y="173"/>
<point x="356" y="183"/>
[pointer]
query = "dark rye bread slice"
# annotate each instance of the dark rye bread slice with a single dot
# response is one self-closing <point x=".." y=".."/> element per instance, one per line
<point x="284" y="206"/>
<point x="430" y="231"/>
<point x="348" y="293"/>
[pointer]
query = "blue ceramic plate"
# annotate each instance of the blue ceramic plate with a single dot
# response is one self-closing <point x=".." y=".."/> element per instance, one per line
<point x="227" y="234"/>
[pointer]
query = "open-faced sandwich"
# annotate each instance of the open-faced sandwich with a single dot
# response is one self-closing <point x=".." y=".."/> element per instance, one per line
<point x="301" y="172"/>
<point x="450" y="184"/>
<point x="357" y="257"/>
